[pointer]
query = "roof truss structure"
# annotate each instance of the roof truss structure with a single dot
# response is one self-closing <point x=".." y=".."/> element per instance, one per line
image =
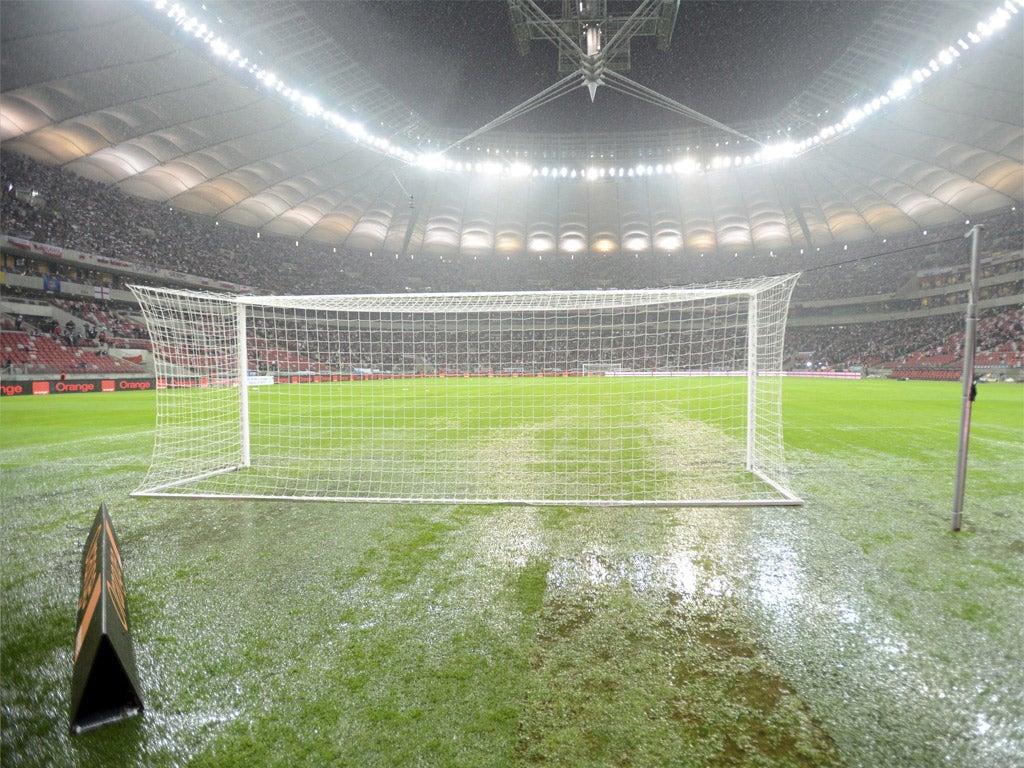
<point x="158" y="118"/>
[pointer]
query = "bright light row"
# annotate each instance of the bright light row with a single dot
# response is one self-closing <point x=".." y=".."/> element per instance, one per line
<point x="309" y="105"/>
<point x="306" y="103"/>
<point x="902" y="87"/>
<point x="683" y="167"/>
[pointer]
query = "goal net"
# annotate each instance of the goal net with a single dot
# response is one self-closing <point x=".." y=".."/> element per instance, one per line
<point x="657" y="397"/>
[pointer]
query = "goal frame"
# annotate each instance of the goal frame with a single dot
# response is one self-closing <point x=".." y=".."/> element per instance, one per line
<point x="240" y="308"/>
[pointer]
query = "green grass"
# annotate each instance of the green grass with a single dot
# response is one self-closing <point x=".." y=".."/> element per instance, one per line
<point x="854" y="631"/>
<point x="563" y="438"/>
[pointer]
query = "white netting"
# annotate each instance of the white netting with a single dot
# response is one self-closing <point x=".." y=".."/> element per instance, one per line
<point x="667" y="396"/>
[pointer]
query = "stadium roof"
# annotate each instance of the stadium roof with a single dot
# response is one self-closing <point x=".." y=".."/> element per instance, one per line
<point x="327" y="121"/>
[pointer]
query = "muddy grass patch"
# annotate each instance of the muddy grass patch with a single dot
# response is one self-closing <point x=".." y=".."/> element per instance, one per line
<point x="623" y="677"/>
<point x="569" y="456"/>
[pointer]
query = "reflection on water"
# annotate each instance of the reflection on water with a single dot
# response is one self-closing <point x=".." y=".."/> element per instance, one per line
<point x="779" y="577"/>
<point x="884" y="675"/>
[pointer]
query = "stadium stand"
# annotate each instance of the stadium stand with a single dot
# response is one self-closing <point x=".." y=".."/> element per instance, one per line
<point x="893" y="305"/>
<point x="40" y="354"/>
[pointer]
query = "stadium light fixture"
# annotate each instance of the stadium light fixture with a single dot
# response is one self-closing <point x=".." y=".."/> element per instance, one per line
<point x="311" y="106"/>
<point x="433" y="161"/>
<point x="519" y="170"/>
<point x="903" y="87"/>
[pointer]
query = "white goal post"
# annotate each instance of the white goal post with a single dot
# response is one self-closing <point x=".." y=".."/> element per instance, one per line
<point x="668" y="397"/>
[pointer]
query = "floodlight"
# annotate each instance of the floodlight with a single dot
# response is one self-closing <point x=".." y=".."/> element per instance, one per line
<point x="853" y="117"/>
<point x="311" y="105"/>
<point x="900" y="88"/>
<point x="669" y="242"/>
<point x="432" y="162"/>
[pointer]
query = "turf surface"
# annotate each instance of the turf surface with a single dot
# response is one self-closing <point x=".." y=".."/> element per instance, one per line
<point x="554" y="439"/>
<point x="854" y="631"/>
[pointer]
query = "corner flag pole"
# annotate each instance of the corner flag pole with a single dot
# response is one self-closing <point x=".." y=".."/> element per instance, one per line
<point x="968" y="379"/>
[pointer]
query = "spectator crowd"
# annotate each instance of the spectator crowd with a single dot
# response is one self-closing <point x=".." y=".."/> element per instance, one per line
<point x="48" y="205"/>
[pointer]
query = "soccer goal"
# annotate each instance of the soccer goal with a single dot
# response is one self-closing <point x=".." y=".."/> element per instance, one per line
<point x="636" y="397"/>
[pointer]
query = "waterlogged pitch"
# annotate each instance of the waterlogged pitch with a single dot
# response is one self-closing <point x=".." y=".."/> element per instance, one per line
<point x="551" y="439"/>
<point x="856" y="630"/>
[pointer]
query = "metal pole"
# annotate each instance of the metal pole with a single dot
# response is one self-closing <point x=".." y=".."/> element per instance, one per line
<point x="970" y="330"/>
<point x="245" y="458"/>
<point x="753" y="327"/>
